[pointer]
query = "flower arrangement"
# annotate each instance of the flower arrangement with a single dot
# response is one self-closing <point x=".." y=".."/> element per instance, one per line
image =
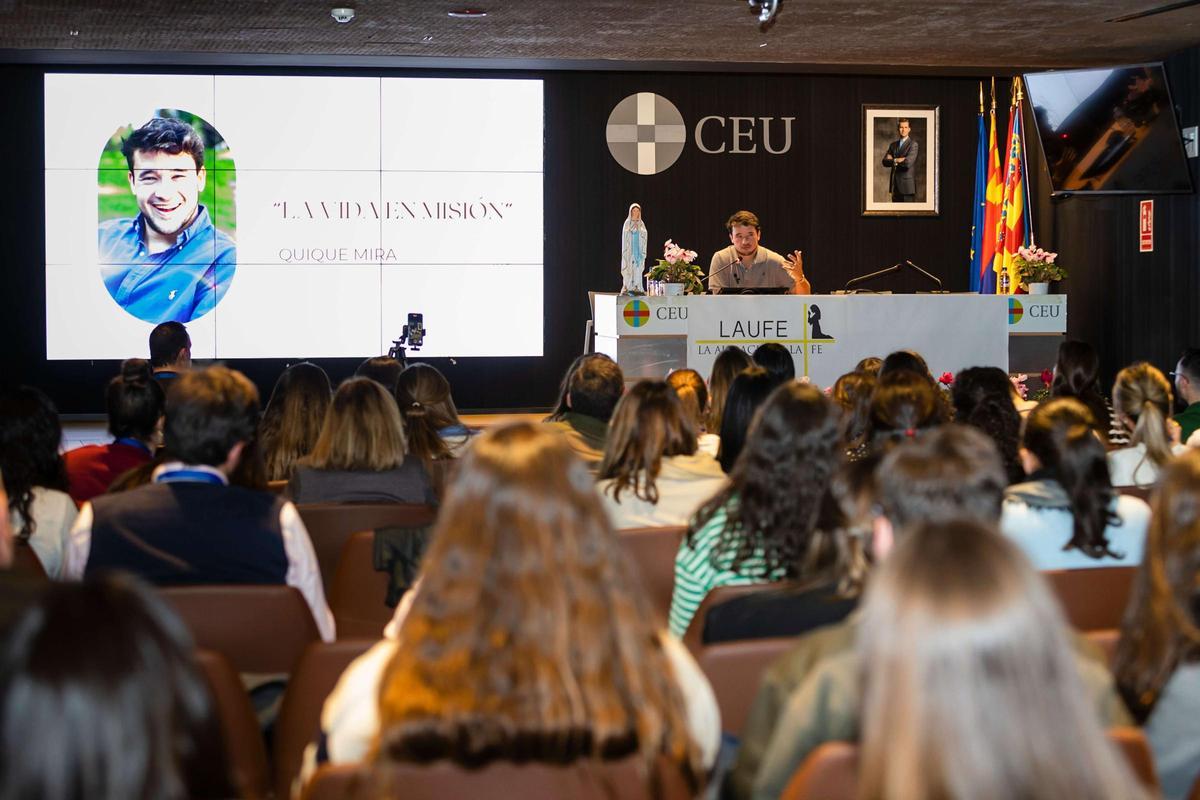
<point x="1036" y="265"/>
<point x="1020" y="383"/>
<point x="676" y="267"/>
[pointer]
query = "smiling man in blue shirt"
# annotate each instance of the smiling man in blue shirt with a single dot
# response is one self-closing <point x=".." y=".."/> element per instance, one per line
<point x="169" y="262"/>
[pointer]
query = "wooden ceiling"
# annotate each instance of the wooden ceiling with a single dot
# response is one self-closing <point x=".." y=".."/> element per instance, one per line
<point x="915" y="36"/>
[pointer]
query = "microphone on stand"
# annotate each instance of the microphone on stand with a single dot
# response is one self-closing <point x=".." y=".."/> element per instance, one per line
<point x="737" y="278"/>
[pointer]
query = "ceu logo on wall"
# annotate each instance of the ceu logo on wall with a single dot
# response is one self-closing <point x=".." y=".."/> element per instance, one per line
<point x="636" y="313"/>
<point x="645" y="133"/>
<point x="1015" y="311"/>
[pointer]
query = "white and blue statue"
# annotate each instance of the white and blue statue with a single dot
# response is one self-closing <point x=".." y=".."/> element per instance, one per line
<point x="633" y="251"/>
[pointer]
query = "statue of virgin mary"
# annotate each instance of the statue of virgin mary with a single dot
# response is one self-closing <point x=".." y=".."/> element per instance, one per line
<point x="633" y="251"/>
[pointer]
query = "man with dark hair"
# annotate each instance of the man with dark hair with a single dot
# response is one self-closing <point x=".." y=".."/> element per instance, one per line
<point x="901" y="159"/>
<point x="1187" y="389"/>
<point x="744" y="265"/>
<point x="190" y="526"/>
<point x="592" y="394"/>
<point x="809" y="696"/>
<point x="169" y="262"/>
<point x="170" y="352"/>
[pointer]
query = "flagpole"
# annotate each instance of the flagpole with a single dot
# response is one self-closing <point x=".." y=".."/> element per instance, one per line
<point x="1025" y="164"/>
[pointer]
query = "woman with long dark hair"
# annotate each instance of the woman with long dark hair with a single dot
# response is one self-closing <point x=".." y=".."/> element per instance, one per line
<point x="100" y="700"/>
<point x="903" y="406"/>
<point x="852" y="392"/>
<point x="747" y="392"/>
<point x="431" y="420"/>
<point x="134" y="401"/>
<point x="293" y="418"/>
<point x="763" y="527"/>
<point x="41" y="512"/>
<point x="1066" y="515"/>
<point x="1077" y="375"/>
<point x="1157" y="663"/>
<point x="528" y="637"/>
<point x="652" y="472"/>
<point x="983" y="399"/>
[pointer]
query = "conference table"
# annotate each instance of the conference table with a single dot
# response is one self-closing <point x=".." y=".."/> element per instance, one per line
<point x="828" y="334"/>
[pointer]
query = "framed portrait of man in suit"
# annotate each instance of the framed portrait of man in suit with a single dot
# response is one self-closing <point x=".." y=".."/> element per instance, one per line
<point x="900" y="160"/>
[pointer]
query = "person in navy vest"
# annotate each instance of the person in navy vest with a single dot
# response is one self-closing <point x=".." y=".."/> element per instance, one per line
<point x="189" y="526"/>
<point x="169" y="262"/>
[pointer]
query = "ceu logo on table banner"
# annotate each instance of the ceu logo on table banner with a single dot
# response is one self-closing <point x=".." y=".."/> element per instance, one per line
<point x="645" y="133"/>
<point x="1015" y="311"/>
<point x="636" y="313"/>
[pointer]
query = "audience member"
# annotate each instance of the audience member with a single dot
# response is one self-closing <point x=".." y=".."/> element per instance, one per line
<point x="763" y="526"/>
<point x="384" y="370"/>
<point x="811" y="694"/>
<point x="560" y="405"/>
<point x="969" y="685"/>
<point x="983" y="398"/>
<point x="1066" y="514"/>
<point x="1187" y="384"/>
<point x="41" y="512"/>
<point x="869" y="365"/>
<point x="100" y="700"/>
<point x="360" y="454"/>
<point x="747" y="392"/>
<point x="170" y="352"/>
<point x="1142" y="401"/>
<point x="693" y="394"/>
<point x="526" y="623"/>
<point x="189" y="526"/>
<point x="852" y="392"/>
<point x="775" y="359"/>
<point x="293" y="418"/>
<point x="134" y="402"/>
<point x="430" y="416"/>
<point x="904" y="405"/>
<point x="1077" y="375"/>
<point x="652" y="472"/>
<point x="1157" y="662"/>
<point x="593" y="390"/>
<point x="909" y="360"/>
<point x="726" y="367"/>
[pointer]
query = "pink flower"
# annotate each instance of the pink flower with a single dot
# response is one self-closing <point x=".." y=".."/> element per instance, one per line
<point x="1018" y="382"/>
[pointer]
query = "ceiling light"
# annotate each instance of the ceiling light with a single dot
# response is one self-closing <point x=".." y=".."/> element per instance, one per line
<point x="342" y="15"/>
<point x="467" y="13"/>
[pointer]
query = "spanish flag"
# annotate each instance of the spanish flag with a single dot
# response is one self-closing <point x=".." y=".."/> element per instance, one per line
<point x="1014" y="228"/>
<point x="993" y="201"/>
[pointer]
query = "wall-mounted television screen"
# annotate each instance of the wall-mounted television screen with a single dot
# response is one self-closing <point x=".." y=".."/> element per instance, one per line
<point x="1109" y="130"/>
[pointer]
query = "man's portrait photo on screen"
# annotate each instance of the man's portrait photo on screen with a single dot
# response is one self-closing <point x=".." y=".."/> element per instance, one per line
<point x="166" y="246"/>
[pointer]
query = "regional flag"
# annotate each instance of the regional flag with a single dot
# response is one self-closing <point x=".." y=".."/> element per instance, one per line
<point x="976" y="266"/>
<point x="1014" y="218"/>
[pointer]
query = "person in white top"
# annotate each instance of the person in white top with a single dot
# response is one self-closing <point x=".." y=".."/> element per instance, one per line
<point x="693" y="393"/>
<point x="1142" y="401"/>
<point x="527" y="621"/>
<point x="652" y="473"/>
<point x="40" y="510"/>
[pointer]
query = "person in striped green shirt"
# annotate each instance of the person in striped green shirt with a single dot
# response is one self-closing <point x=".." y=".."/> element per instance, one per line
<point x="765" y="526"/>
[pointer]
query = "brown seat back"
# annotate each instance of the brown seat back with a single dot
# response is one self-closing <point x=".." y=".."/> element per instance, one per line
<point x="276" y="487"/>
<point x="1142" y="492"/>
<point x="1093" y="599"/>
<point x="330" y="525"/>
<point x="735" y="669"/>
<point x="694" y="635"/>
<point x="300" y="712"/>
<point x="359" y="592"/>
<point x="25" y="560"/>
<point x="261" y="629"/>
<point x="652" y="550"/>
<point x="584" y="780"/>
<point x="831" y="771"/>
<point x="243" y="738"/>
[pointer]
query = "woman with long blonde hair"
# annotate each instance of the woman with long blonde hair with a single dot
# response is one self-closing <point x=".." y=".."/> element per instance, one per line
<point x="293" y="417"/>
<point x="1142" y="402"/>
<point x="361" y="453"/>
<point x="970" y="686"/>
<point x="1158" y="657"/>
<point x="528" y="637"/>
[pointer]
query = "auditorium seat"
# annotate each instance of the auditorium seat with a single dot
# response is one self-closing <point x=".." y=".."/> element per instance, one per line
<point x="735" y="670"/>
<point x="300" y="712"/>
<point x="261" y="628"/>
<point x="1141" y="492"/>
<point x="587" y="780"/>
<point x="1092" y="599"/>
<point x="693" y="637"/>
<point x="831" y="771"/>
<point x="359" y="592"/>
<point x="653" y="551"/>
<point x="277" y="487"/>
<point x="243" y="739"/>
<point x="25" y="560"/>
<point x="1106" y="641"/>
<point x="330" y="525"/>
